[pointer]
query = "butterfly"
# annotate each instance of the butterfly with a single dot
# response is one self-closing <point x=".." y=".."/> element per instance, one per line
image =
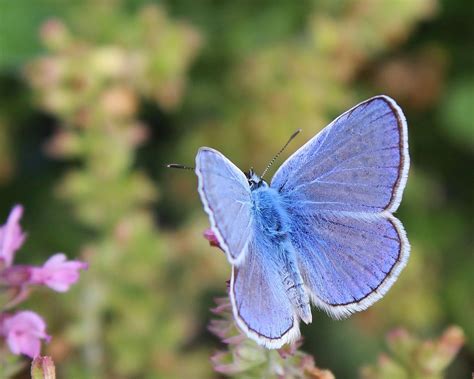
<point x="321" y="232"/>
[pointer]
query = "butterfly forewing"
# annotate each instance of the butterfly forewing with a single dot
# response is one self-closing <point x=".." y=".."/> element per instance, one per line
<point x="225" y="194"/>
<point x="359" y="163"/>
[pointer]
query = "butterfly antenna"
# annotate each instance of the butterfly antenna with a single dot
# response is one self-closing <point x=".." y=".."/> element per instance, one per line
<point x="281" y="151"/>
<point x="177" y="165"/>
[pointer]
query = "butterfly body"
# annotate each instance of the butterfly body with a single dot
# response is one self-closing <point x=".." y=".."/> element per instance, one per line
<point x="272" y="231"/>
<point x="321" y="231"/>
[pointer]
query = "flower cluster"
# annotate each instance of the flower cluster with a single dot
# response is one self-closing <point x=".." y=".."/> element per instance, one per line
<point x="23" y="331"/>
<point x="411" y="357"/>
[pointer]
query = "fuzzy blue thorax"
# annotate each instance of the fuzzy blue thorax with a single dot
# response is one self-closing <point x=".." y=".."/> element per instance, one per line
<point x="272" y="218"/>
<point x="266" y="205"/>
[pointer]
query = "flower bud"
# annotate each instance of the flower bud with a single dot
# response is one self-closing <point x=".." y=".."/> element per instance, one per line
<point x="211" y="237"/>
<point x="43" y="368"/>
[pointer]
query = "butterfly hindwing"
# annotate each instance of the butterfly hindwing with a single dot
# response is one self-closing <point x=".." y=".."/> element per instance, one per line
<point x="259" y="302"/>
<point x="226" y="196"/>
<point x="348" y="263"/>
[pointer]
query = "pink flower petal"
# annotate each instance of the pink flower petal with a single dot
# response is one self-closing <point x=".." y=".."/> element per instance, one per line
<point x="55" y="259"/>
<point x="57" y="273"/>
<point x="32" y="347"/>
<point x="11" y="236"/>
<point x="24" y="332"/>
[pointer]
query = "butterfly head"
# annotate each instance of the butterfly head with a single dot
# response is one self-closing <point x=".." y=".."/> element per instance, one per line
<point x="254" y="180"/>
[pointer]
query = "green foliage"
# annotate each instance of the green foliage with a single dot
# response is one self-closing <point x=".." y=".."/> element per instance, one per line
<point x="11" y="364"/>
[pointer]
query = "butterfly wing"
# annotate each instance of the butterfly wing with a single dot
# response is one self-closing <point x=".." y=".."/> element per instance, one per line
<point x="226" y="197"/>
<point x="358" y="163"/>
<point x="340" y="189"/>
<point x="348" y="263"/>
<point x="260" y="304"/>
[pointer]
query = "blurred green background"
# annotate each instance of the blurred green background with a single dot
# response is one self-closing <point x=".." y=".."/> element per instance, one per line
<point x="96" y="96"/>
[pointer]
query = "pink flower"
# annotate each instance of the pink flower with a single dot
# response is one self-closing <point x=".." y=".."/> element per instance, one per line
<point x="24" y="332"/>
<point x="57" y="273"/>
<point x="11" y="236"/>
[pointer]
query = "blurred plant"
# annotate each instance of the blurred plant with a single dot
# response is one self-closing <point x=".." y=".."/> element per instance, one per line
<point x="23" y="331"/>
<point x="244" y="358"/>
<point x="412" y="358"/>
<point x="302" y="82"/>
<point x="132" y="324"/>
<point x="456" y="112"/>
<point x="416" y="79"/>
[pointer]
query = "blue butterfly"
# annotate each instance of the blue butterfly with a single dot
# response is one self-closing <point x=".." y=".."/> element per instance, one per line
<point x="322" y="231"/>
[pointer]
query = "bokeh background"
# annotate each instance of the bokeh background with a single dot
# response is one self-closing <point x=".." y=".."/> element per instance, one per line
<point x="96" y="96"/>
